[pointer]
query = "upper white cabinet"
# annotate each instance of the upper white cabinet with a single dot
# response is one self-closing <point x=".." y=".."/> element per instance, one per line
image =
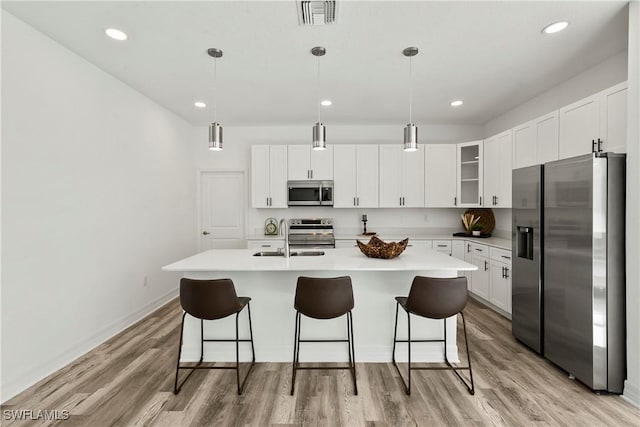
<point x="595" y="124"/>
<point x="546" y="137"/>
<point x="525" y="149"/>
<point x="308" y="164"/>
<point x="497" y="170"/>
<point x="613" y="119"/>
<point x="469" y="174"/>
<point x="269" y="176"/>
<point x="401" y="177"/>
<point x="355" y="176"/>
<point x="440" y="175"/>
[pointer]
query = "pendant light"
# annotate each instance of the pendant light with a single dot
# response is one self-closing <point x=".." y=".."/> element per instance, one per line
<point x="411" y="130"/>
<point x="215" y="130"/>
<point x="318" y="134"/>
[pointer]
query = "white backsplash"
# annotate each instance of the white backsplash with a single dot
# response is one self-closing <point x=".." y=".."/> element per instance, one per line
<point x="379" y="218"/>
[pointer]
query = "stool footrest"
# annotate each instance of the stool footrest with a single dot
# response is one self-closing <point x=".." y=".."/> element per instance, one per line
<point x="323" y="340"/>
<point x="419" y="340"/>
<point x="230" y="340"/>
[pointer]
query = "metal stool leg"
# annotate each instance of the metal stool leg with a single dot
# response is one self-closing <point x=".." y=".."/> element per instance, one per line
<point x="407" y="387"/>
<point x="470" y="387"/>
<point x="352" y="351"/>
<point x="296" y="348"/>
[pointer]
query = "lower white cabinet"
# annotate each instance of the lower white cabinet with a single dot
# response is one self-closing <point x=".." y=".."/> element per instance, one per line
<point x="480" y="277"/>
<point x="443" y="246"/>
<point x="500" y="268"/>
<point x="457" y="249"/>
<point x="265" y="245"/>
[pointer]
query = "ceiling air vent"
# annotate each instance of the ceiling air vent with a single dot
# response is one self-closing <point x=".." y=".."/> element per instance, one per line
<point x="317" y="12"/>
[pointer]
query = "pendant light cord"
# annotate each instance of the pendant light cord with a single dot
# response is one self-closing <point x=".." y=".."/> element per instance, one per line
<point x="410" y="90"/>
<point x="318" y="92"/>
<point x="215" y="92"/>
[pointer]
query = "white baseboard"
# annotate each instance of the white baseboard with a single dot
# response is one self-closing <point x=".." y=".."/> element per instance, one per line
<point x="631" y="393"/>
<point x="15" y="385"/>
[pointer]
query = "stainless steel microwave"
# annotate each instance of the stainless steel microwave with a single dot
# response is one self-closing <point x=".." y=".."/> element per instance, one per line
<point x="310" y="193"/>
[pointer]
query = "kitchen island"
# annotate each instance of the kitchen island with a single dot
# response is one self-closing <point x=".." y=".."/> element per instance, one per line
<point x="270" y="281"/>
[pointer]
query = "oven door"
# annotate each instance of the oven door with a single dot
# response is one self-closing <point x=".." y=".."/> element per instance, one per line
<point x="303" y="194"/>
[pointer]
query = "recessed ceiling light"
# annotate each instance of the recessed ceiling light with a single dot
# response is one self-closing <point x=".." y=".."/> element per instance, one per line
<point x="555" y="27"/>
<point x="456" y="103"/>
<point x="199" y="104"/>
<point x="115" y="34"/>
<point x="325" y="103"/>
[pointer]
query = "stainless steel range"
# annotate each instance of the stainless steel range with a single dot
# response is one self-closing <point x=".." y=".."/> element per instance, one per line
<point x="316" y="233"/>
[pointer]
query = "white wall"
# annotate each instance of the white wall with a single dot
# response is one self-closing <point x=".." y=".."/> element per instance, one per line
<point x="632" y="385"/>
<point x="606" y="74"/>
<point x="97" y="195"/>
<point x="237" y="156"/>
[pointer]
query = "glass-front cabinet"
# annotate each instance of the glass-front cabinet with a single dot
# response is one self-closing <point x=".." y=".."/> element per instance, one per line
<point x="469" y="174"/>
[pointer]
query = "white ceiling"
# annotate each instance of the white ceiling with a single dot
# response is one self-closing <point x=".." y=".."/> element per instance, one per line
<point x="490" y="54"/>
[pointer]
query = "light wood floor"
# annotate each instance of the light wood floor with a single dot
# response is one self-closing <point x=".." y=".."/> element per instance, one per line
<point x="128" y="381"/>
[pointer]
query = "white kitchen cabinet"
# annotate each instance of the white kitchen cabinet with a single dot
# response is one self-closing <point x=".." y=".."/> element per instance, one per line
<point x="440" y="175"/>
<point x="401" y="177"/>
<point x="497" y="170"/>
<point x="613" y="119"/>
<point x="457" y="249"/>
<point x="469" y="174"/>
<point x="525" y="150"/>
<point x="480" y="278"/>
<point x="500" y="269"/>
<point x="468" y="257"/>
<point x="443" y="246"/>
<point x="597" y="123"/>
<point x="546" y="137"/>
<point x="307" y="164"/>
<point x="355" y="176"/>
<point x="269" y="176"/>
<point x="265" y="245"/>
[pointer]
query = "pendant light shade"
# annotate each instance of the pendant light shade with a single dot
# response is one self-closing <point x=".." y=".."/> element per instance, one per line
<point x="319" y="140"/>
<point x="215" y="130"/>
<point x="410" y="130"/>
<point x="410" y="137"/>
<point x="318" y="137"/>
<point x="215" y="137"/>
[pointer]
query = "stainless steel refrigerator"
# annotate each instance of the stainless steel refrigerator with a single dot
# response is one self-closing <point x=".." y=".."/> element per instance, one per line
<point x="526" y="277"/>
<point x="584" y="268"/>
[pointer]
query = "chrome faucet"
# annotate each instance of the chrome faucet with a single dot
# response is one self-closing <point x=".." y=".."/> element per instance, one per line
<point x="284" y="228"/>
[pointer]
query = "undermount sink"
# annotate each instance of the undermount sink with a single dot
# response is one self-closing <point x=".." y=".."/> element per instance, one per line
<point x="280" y="253"/>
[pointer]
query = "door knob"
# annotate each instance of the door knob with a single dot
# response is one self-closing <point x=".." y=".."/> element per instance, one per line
<point x="205" y="233"/>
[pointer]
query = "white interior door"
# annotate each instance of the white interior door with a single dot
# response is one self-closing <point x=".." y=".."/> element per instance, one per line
<point x="221" y="210"/>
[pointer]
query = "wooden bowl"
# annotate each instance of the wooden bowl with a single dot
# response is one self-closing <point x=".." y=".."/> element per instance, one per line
<point x="487" y="220"/>
<point x="377" y="248"/>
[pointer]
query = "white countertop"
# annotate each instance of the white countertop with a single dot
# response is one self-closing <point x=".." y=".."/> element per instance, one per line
<point x="347" y="259"/>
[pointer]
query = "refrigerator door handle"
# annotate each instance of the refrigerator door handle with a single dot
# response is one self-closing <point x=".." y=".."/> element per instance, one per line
<point x="486" y="266"/>
<point x="599" y="145"/>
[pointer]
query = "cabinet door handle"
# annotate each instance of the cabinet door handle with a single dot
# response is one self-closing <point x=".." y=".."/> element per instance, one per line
<point x="403" y="201"/>
<point x="599" y="145"/>
<point x="506" y="272"/>
<point x="505" y="257"/>
<point x="357" y="201"/>
<point x="400" y="201"/>
<point x="593" y="145"/>
<point x="311" y="173"/>
<point x="479" y="250"/>
<point x="265" y="246"/>
<point x="480" y="200"/>
<point x="442" y="246"/>
<point x="455" y="200"/>
<point x="503" y="272"/>
<point x="354" y="201"/>
<point x="486" y="266"/>
<point x="468" y="247"/>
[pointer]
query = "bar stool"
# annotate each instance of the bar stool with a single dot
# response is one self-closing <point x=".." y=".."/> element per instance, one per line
<point x="435" y="299"/>
<point x="210" y="300"/>
<point x="324" y="298"/>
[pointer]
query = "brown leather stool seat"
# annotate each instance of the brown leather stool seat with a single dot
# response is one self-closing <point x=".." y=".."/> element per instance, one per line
<point x="211" y="300"/>
<point x="324" y="298"/>
<point x="435" y="299"/>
